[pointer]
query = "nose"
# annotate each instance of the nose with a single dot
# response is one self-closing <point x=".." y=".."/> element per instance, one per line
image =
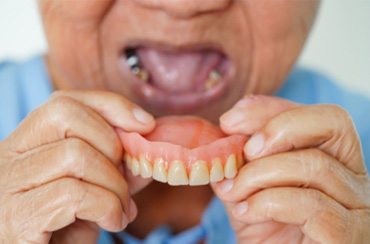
<point x="185" y="8"/>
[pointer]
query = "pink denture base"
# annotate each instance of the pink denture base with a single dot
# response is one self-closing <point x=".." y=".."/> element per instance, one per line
<point x="184" y="138"/>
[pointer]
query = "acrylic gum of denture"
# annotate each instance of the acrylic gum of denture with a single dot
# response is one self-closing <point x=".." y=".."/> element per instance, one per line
<point x="184" y="150"/>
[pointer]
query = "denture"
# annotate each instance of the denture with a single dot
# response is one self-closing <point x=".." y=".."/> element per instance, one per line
<point x="183" y="150"/>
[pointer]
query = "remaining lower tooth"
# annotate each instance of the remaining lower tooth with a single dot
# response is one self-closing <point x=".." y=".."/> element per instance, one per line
<point x="177" y="174"/>
<point x="145" y="167"/>
<point x="135" y="167"/>
<point x="140" y="73"/>
<point x="133" y="61"/>
<point x="214" y="78"/>
<point x="159" y="171"/>
<point x="230" y="167"/>
<point x="128" y="160"/>
<point x="199" y="174"/>
<point x="217" y="171"/>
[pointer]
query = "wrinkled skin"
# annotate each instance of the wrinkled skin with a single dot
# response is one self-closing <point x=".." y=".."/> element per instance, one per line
<point x="306" y="180"/>
<point x="57" y="168"/>
<point x="60" y="176"/>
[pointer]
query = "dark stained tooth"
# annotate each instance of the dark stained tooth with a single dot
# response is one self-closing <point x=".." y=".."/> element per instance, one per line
<point x="136" y="68"/>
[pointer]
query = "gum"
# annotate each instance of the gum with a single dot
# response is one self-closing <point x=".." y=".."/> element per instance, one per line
<point x="185" y="138"/>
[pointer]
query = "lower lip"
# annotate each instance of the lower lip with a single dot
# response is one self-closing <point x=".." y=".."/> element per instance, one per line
<point x="153" y="97"/>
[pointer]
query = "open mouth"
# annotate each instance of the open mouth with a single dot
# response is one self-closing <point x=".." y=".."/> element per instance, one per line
<point x="178" y="81"/>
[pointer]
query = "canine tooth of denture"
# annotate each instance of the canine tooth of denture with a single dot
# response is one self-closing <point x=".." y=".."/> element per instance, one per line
<point x="128" y="160"/>
<point x="145" y="167"/>
<point x="135" y="166"/>
<point x="230" y="167"/>
<point x="177" y="174"/>
<point x="199" y="174"/>
<point x="159" y="171"/>
<point x="217" y="171"/>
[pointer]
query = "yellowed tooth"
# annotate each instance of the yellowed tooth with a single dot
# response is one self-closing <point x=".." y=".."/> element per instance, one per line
<point x="159" y="171"/>
<point x="230" y="167"/>
<point x="214" y="78"/>
<point x="128" y="160"/>
<point x="199" y="174"/>
<point x="135" y="166"/>
<point x="146" y="169"/>
<point x="177" y="174"/>
<point x="217" y="171"/>
<point x="141" y="73"/>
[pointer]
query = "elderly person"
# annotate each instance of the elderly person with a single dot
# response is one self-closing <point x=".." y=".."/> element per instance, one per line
<point x="118" y="65"/>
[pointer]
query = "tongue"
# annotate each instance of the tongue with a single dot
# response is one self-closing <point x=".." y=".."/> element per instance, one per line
<point x="180" y="71"/>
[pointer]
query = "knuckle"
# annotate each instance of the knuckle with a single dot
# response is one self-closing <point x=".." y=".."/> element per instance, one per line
<point x="76" y="146"/>
<point x="114" y="207"/>
<point x="317" y="197"/>
<point x="113" y="213"/>
<point x="338" y="112"/>
<point x="75" y="154"/>
<point x="319" y="163"/>
<point x="313" y="163"/>
<point x="69" y="191"/>
<point x="61" y="102"/>
<point x="61" y="109"/>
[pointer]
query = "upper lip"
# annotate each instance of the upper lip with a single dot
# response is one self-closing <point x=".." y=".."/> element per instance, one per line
<point x="173" y="47"/>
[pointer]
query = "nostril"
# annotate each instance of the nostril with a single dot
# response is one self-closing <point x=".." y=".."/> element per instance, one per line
<point x="186" y="8"/>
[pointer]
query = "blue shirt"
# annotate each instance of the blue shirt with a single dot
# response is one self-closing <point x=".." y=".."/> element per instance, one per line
<point x="25" y="86"/>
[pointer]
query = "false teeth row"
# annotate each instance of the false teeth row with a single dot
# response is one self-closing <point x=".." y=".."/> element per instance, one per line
<point x="176" y="173"/>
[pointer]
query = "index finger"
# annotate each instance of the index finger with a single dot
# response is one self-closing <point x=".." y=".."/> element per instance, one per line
<point x="252" y="112"/>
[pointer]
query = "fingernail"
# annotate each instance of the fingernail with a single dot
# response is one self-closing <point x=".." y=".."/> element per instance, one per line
<point x="255" y="145"/>
<point x="226" y="186"/>
<point x="142" y="116"/>
<point x="233" y="117"/>
<point x="241" y="208"/>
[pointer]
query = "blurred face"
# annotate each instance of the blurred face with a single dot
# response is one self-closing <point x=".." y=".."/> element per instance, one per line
<point x="176" y="57"/>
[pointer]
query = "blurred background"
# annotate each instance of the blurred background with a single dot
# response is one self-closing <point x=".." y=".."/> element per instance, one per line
<point x="338" y="46"/>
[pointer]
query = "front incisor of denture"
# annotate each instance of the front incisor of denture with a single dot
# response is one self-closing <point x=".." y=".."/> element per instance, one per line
<point x="177" y="174"/>
<point x="159" y="171"/>
<point x="199" y="174"/>
<point x="217" y="171"/>
<point x="231" y="167"/>
<point x="145" y="167"/>
<point x="135" y="166"/>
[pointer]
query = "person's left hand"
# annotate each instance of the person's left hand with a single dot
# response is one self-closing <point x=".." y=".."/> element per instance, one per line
<point x="305" y="179"/>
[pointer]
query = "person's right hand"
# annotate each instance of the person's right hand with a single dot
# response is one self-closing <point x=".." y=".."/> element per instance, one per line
<point x="59" y="169"/>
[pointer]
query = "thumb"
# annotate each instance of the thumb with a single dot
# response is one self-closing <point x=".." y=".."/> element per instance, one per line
<point x="252" y="112"/>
